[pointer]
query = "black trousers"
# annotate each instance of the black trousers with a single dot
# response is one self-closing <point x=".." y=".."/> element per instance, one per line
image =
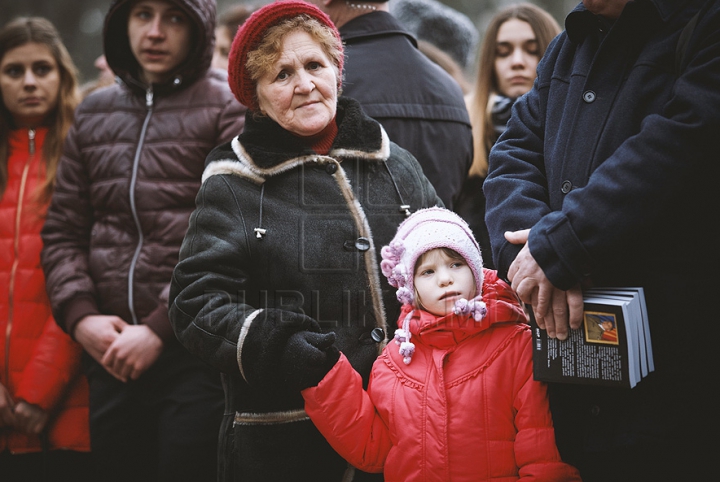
<point x="162" y="427"/>
<point x="50" y="466"/>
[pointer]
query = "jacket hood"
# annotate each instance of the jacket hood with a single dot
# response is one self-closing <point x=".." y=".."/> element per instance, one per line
<point x="122" y="61"/>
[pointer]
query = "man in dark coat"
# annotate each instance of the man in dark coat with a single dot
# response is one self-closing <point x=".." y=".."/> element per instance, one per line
<point x="606" y="177"/>
<point x="419" y="104"/>
<point x="126" y="186"/>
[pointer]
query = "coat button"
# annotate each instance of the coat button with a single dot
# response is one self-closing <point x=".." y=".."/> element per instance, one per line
<point x="589" y="96"/>
<point x="566" y="187"/>
<point x="362" y="243"/>
<point x="331" y="168"/>
<point x="377" y="334"/>
<point x="595" y="410"/>
<point x="359" y="244"/>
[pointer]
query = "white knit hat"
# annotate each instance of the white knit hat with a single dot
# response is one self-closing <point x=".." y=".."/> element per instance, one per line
<point x="428" y="229"/>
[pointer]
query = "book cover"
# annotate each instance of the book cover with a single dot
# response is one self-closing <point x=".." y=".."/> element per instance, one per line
<point x="644" y="329"/>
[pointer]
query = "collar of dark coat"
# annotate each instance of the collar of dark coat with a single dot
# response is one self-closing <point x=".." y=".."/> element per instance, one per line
<point x="580" y="22"/>
<point x="372" y="25"/>
<point x="265" y="149"/>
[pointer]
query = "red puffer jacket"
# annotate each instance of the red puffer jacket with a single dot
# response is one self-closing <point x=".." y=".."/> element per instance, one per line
<point x="466" y="408"/>
<point x="38" y="362"/>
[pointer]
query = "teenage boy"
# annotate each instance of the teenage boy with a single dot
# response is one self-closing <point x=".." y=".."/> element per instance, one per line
<point x="126" y="186"/>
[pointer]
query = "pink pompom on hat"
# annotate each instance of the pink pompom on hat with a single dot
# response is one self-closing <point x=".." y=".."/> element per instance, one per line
<point x="251" y="33"/>
<point x="424" y="230"/>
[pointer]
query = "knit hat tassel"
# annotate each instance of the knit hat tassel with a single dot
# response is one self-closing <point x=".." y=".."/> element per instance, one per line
<point x="475" y="307"/>
<point x="402" y="338"/>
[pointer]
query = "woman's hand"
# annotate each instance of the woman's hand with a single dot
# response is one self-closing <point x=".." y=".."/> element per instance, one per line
<point x="7" y="407"/>
<point x="263" y="349"/>
<point x="29" y="418"/>
<point x="308" y="357"/>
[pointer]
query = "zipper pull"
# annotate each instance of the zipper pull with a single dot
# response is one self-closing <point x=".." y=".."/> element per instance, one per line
<point x="149" y="98"/>
<point x="31" y="138"/>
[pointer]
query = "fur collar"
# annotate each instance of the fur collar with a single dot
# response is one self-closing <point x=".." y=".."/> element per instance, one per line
<point x="265" y="149"/>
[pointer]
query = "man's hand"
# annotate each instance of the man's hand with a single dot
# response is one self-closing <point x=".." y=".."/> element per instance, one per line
<point x="555" y="310"/>
<point x="132" y="352"/>
<point x="97" y="332"/>
<point x="7" y="408"/>
<point x="29" y="418"/>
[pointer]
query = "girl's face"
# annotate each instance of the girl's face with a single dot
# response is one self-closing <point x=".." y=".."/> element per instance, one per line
<point x="299" y="92"/>
<point x="516" y="58"/>
<point x="441" y="280"/>
<point x="30" y="83"/>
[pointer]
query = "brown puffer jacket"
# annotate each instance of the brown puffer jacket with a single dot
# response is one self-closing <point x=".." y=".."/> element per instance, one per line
<point x="127" y="181"/>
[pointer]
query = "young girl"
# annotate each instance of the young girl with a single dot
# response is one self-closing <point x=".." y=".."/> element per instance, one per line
<point x="44" y="432"/>
<point x="453" y="399"/>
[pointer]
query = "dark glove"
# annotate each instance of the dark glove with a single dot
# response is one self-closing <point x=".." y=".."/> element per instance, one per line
<point x="265" y="344"/>
<point x="308" y="358"/>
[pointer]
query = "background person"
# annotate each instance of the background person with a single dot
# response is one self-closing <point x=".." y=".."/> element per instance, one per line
<point x="515" y="40"/>
<point x="606" y="172"/>
<point x="419" y="104"/>
<point x="126" y="186"/>
<point x="105" y="77"/>
<point x="459" y="372"/>
<point x="284" y="235"/>
<point x="44" y="433"/>
<point x="227" y="26"/>
<point x="432" y="21"/>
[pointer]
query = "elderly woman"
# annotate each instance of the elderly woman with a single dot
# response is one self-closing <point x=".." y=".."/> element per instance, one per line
<point x="284" y="239"/>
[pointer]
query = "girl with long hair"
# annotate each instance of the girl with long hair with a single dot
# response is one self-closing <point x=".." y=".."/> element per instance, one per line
<point x="515" y="40"/>
<point x="43" y="396"/>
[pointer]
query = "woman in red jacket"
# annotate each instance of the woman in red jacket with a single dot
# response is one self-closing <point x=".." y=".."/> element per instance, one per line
<point x="453" y="399"/>
<point x="43" y="397"/>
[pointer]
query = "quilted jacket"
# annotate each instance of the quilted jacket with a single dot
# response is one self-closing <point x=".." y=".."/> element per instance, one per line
<point x="38" y="362"/>
<point x="128" y="178"/>
<point x="466" y="407"/>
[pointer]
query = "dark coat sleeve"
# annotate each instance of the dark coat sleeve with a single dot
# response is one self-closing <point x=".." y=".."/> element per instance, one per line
<point x="205" y="310"/>
<point x="231" y="122"/>
<point x="674" y="149"/>
<point x="66" y="237"/>
<point x="515" y="189"/>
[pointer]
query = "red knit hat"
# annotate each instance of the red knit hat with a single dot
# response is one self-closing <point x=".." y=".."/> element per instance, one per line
<point x="251" y="33"/>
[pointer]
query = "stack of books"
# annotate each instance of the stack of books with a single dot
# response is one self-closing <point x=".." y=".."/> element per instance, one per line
<point x="612" y="347"/>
